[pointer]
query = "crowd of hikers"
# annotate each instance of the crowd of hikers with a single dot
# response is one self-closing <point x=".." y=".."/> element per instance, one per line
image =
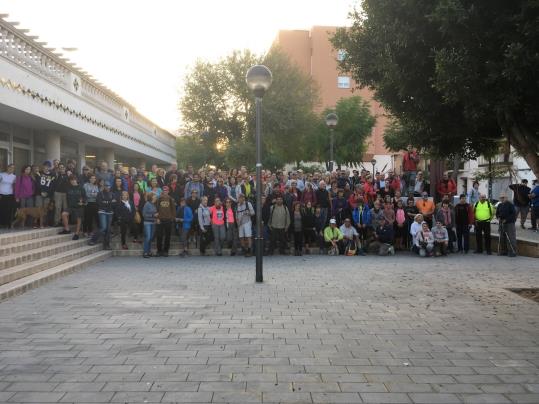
<point x="337" y="213"/>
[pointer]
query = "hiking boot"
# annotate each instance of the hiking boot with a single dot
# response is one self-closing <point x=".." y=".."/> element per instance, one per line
<point x="75" y="237"/>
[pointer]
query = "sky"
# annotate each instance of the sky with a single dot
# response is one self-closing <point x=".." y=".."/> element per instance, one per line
<point x="142" y="50"/>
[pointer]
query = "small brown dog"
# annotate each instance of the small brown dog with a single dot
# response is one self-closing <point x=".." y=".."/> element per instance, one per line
<point x="35" y="213"/>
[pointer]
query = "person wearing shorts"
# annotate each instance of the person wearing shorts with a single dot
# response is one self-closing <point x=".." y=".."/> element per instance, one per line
<point x="244" y="213"/>
<point x="76" y="198"/>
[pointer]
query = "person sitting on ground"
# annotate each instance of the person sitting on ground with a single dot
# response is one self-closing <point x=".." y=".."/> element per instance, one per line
<point x="350" y="236"/>
<point x="333" y="238"/>
<point x="415" y="228"/>
<point x="441" y="239"/>
<point x="384" y="238"/>
<point x="425" y="241"/>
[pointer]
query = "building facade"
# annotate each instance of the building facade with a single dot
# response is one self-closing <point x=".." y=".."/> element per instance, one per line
<point x="50" y="109"/>
<point x="313" y="53"/>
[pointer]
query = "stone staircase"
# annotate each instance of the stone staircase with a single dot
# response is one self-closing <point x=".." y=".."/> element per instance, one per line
<point x="32" y="257"/>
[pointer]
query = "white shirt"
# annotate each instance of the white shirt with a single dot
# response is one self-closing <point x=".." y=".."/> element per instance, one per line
<point x="348" y="232"/>
<point x="414" y="229"/>
<point x="6" y="183"/>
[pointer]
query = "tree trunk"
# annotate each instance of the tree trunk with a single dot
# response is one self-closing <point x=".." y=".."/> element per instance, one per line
<point x="456" y="164"/>
<point x="526" y="147"/>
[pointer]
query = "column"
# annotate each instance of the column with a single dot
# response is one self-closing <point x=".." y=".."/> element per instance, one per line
<point x="108" y="156"/>
<point x="82" y="156"/>
<point x="52" y="146"/>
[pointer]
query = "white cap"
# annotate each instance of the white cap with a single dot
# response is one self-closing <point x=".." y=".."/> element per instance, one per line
<point x="332" y="221"/>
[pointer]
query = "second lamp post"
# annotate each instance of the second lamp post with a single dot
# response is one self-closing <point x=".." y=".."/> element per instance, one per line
<point x="331" y="121"/>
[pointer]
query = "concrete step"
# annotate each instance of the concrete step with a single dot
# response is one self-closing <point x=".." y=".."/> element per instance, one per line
<point x="29" y="245"/>
<point x="29" y="282"/>
<point x="39" y="253"/>
<point x="32" y="267"/>
<point x="16" y="236"/>
<point x="192" y="252"/>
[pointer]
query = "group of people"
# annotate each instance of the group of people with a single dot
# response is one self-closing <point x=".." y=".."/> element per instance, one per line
<point x="335" y="213"/>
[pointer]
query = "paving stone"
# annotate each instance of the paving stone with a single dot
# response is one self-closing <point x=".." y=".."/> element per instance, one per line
<point x="200" y="330"/>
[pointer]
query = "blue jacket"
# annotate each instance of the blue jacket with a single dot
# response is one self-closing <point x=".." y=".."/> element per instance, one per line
<point x="187" y="217"/>
<point x="365" y="216"/>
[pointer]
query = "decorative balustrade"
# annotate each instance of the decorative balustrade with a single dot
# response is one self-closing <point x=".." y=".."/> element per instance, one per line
<point x="24" y="51"/>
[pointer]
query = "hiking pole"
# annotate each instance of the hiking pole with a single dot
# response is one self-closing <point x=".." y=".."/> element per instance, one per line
<point x="510" y="244"/>
<point x="500" y="230"/>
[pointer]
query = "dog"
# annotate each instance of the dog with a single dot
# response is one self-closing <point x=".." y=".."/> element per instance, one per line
<point x="35" y="213"/>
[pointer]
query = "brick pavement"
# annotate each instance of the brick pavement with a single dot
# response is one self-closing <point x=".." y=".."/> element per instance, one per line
<point x="319" y="330"/>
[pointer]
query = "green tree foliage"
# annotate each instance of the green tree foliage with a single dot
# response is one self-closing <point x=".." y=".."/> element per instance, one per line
<point x="354" y="127"/>
<point x="455" y="74"/>
<point x="219" y="110"/>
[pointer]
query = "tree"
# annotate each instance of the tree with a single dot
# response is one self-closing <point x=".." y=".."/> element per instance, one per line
<point x="217" y="103"/>
<point x="354" y="127"/>
<point x="444" y="69"/>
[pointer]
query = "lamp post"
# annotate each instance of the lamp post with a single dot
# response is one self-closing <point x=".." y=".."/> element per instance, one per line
<point x="373" y="162"/>
<point x="258" y="80"/>
<point x="331" y="121"/>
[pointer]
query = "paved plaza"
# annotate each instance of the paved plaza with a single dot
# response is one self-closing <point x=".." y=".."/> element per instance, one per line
<point x="319" y="330"/>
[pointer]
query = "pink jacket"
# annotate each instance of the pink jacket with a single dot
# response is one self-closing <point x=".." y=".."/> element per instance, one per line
<point x="24" y="187"/>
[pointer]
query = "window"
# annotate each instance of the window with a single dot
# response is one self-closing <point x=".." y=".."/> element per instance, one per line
<point x="343" y="82"/>
<point x="341" y="54"/>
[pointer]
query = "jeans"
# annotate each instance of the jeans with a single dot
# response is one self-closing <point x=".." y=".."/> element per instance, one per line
<point x="26" y="202"/>
<point x="163" y="230"/>
<point x="463" y="237"/>
<point x="298" y="240"/>
<point x="280" y="236"/>
<point x="149" y="229"/>
<point x="409" y="180"/>
<point x="42" y="201"/>
<point x="124" y="226"/>
<point x="219" y="237"/>
<point x="104" y="228"/>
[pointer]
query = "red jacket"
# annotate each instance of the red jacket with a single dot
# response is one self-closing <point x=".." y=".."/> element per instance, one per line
<point x="449" y="188"/>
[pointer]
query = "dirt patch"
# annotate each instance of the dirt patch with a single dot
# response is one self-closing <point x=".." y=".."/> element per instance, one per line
<point x="528" y="293"/>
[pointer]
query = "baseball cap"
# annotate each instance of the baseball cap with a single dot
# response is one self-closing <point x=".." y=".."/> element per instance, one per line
<point x="332" y="221"/>
<point x="107" y="184"/>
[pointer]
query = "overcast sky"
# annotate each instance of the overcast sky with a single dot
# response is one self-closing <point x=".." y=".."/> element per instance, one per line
<point x="142" y="49"/>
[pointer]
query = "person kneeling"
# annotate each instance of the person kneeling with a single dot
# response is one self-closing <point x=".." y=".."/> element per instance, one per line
<point x="424" y="241"/>
<point x="350" y="237"/>
<point x="441" y="239"/>
<point x="384" y="236"/>
<point x="333" y="238"/>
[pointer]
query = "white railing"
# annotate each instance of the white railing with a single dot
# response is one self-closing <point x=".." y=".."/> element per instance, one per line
<point x="24" y="51"/>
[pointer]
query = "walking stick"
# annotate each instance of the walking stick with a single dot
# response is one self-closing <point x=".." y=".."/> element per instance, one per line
<point x="500" y="231"/>
<point x="510" y="244"/>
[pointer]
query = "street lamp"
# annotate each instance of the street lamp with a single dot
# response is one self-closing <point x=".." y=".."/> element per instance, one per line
<point x="373" y="162"/>
<point x="258" y="80"/>
<point x="331" y="121"/>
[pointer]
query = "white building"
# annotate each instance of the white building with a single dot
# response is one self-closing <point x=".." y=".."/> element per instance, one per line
<point x="49" y="109"/>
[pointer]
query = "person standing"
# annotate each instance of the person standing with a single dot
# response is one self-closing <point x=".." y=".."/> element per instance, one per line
<point x="410" y="160"/>
<point x="507" y="216"/>
<point x="76" y="199"/>
<point x="483" y="212"/>
<point x="534" y="198"/>
<point x="230" y="226"/>
<point x="166" y="215"/>
<point x="45" y="186"/>
<point x="185" y="219"/>
<point x="204" y="224"/>
<point x="278" y="223"/>
<point x="7" y="196"/>
<point x="61" y="184"/>
<point x="149" y="215"/>
<point x="464" y="218"/>
<point x="521" y="200"/>
<point x="105" y="211"/>
<point x="217" y="215"/>
<point x="244" y="214"/>
<point x="125" y="213"/>
<point x="90" y="210"/>
<point x="24" y="188"/>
